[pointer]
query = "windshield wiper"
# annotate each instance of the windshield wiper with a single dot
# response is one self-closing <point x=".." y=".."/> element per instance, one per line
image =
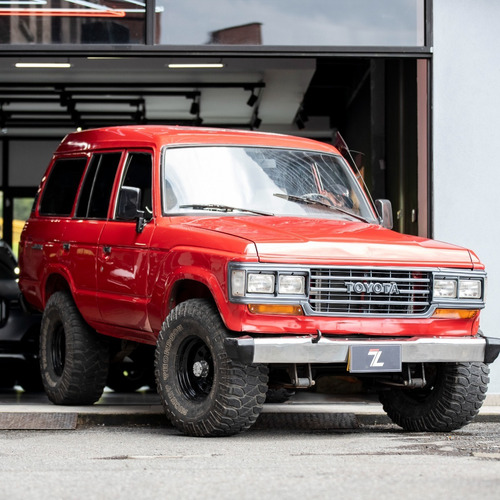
<point x="311" y="201"/>
<point x="223" y="208"/>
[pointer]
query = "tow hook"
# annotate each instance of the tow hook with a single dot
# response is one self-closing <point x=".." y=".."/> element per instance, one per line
<point x="316" y="339"/>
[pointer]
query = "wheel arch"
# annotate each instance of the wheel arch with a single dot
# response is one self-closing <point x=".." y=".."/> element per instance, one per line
<point x="193" y="286"/>
<point x="55" y="282"/>
<point x="188" y="288"/>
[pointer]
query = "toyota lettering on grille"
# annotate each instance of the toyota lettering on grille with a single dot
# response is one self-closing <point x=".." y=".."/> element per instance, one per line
<point x="377" y="288"/>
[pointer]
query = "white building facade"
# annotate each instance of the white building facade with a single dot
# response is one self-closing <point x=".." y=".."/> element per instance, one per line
<point x="465" y="136"/>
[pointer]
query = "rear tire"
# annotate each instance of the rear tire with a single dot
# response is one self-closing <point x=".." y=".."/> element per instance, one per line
<point x="130" y="374"/>
<point x="203" y="391"/>
<point x="74" y="359"/>
<point x="451" y="399"/>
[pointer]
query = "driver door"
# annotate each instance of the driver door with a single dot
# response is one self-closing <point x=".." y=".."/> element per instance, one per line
<point x="123" y="256"/>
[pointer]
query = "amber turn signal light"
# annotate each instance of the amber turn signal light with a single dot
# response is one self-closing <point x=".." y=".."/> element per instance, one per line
<point x="276" y="309"/>
<point x="455" y="313"/>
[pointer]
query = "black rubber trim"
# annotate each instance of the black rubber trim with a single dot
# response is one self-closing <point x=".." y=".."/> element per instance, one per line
<point x="492" y="349"/>
<point x="241" y="349"/>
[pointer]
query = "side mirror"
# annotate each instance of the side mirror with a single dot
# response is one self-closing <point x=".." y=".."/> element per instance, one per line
<point x="384" y="210"/>
<point x="129" y="202"/>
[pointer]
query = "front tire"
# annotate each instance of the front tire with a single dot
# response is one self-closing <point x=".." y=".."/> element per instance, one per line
<point x="74" y="359"/>
<point x="203" y="391"/>
<point x="452" y="397"/>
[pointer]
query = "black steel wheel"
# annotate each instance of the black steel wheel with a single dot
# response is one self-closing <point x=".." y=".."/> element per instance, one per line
<point x="58" y="349"/>
<point x="452" y="397"/>
<point x="73" y="358"/>
<point x="203" y="391"/>
<point x="195" y="369"/>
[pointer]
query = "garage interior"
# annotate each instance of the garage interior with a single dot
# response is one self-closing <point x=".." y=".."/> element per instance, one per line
<point x="378" y="104"/>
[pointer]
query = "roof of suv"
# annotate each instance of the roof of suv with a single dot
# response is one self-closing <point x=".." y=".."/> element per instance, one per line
<point x="157" y="136"/>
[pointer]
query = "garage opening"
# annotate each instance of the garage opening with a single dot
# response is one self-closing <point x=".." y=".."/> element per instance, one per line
<point x="379" y="105"/>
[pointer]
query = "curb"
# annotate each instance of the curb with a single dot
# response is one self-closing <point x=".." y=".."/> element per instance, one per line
<point x="298" y="419"/>
<point x="267" y="421"/>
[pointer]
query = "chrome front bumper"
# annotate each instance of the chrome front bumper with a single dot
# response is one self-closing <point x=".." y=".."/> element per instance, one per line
<point x="308" y="349"/>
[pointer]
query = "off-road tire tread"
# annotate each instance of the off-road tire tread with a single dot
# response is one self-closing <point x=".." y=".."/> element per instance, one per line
<point x="87" y="355"/>
<point x="457" y="399"/>
<point x="241" y="391"/>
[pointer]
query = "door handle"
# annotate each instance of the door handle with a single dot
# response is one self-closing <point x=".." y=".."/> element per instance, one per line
<point x="106" y="249"/>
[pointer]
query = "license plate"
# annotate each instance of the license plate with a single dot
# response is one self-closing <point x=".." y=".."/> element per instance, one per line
<point x="374" y="358"/>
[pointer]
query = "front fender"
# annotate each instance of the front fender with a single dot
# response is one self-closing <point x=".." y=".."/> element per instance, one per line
<point x="205" y="266"/>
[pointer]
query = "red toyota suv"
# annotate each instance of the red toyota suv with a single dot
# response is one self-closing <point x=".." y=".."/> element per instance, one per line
<point x="253" y="262"/>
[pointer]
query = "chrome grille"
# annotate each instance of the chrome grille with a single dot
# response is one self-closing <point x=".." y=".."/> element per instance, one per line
<point x="339" y="291"/>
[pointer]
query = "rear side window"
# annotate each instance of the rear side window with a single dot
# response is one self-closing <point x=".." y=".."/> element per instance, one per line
<point x="98" y="186"/>
<point x="62" y="186"/>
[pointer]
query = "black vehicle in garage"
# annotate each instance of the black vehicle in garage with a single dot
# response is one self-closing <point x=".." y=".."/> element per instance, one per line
<point x="19" y="331"/>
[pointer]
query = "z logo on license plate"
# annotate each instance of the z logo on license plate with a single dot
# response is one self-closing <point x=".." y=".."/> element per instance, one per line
<point x="374" y="358"/>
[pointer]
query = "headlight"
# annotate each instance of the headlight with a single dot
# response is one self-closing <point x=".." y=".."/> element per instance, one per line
<point x="470" y="289"/>
<point x="459" y="288"/>
<point x="260" y="283"/>
<point x="292" y="285"/>
<point x="445" y="289"/>
<point x="273" y="285"/>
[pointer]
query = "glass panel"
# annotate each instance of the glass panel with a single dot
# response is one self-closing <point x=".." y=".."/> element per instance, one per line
<point x="22" y="210"/>
<point x="241" y="180"/>
<point x="60" y="191"/>
<point x="72" y="21"/>
<point x="292" y="22"/>
<point x="98" y="186"/>
<point x="139" y="175"/>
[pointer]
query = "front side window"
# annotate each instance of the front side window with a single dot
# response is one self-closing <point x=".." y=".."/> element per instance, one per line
<point x="138" y="174"/>
<point x="261" y="180"/>
<point x="62" y="185"/>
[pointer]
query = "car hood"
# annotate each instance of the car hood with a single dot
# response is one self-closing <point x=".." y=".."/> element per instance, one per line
<point x="325" y="241"/>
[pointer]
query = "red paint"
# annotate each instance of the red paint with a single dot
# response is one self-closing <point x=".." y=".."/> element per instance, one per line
<point x="125" y="283"/>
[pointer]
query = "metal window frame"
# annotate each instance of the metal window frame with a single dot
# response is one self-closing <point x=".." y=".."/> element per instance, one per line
<point x="149" y="47"/>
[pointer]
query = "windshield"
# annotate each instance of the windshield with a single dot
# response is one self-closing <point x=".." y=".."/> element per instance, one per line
<point x="263" y="181"/>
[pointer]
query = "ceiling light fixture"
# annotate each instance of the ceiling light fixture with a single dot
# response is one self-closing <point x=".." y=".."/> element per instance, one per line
<point x="195" y="107"/>
<point x="255" y="121"/>
<point x="252" y="99"/>
<point x="43" y="65"/>
<point x="196" y="65"/>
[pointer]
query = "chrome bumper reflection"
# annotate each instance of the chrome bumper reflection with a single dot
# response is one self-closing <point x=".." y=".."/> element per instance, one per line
<point x="307" y="349"/>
